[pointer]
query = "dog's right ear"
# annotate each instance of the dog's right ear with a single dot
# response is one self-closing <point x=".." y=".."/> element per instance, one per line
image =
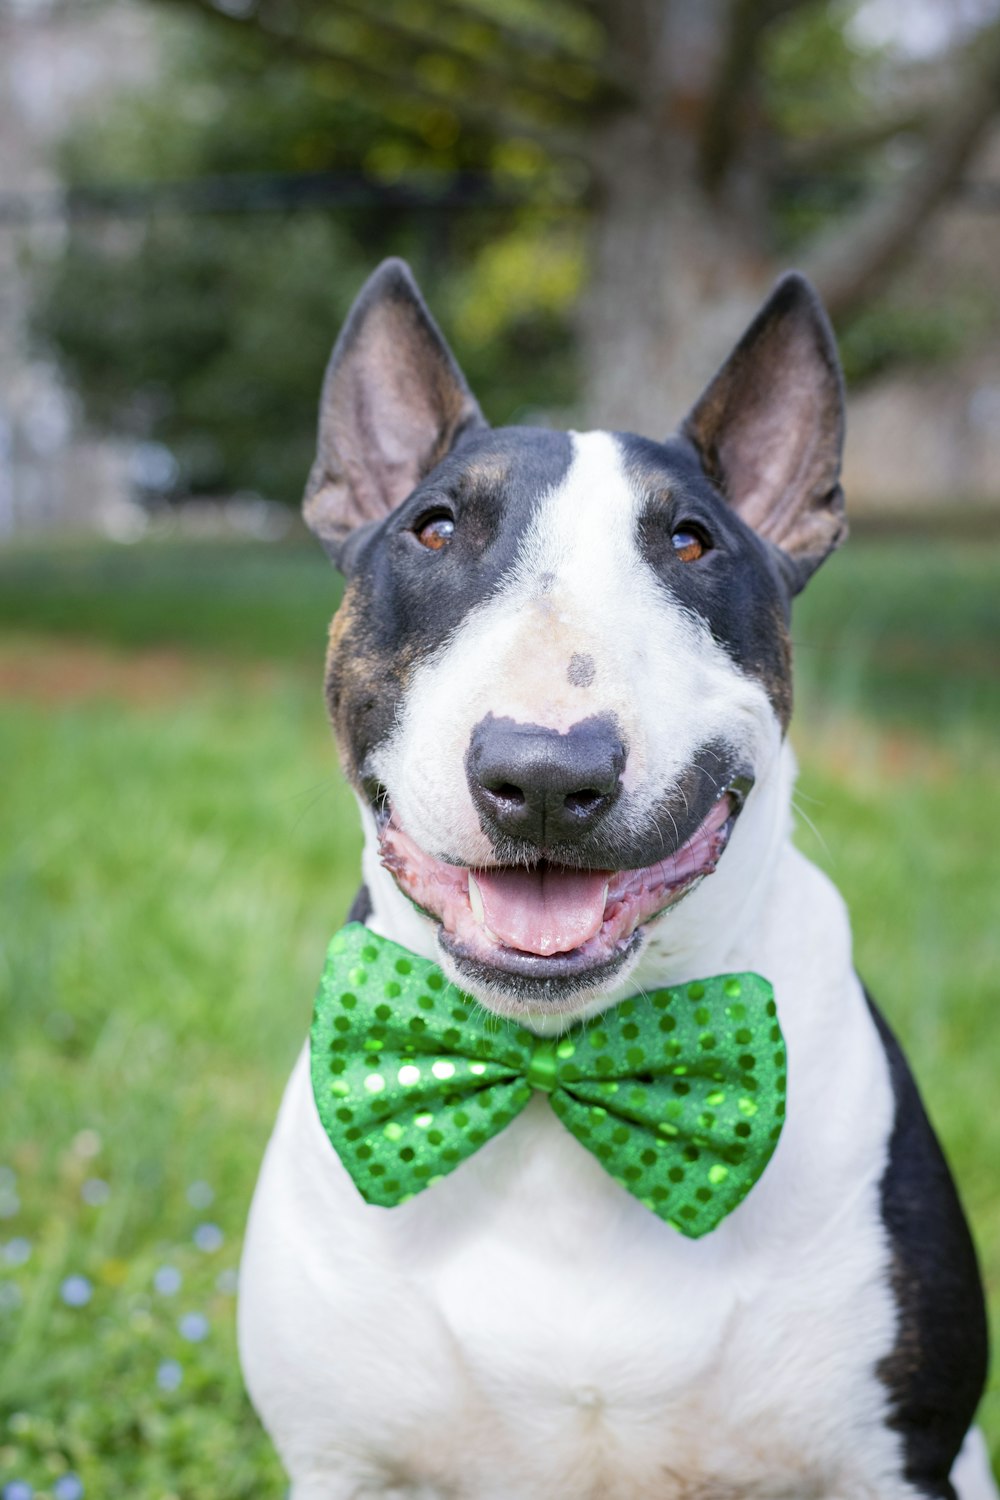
<point x="394" y="403"/>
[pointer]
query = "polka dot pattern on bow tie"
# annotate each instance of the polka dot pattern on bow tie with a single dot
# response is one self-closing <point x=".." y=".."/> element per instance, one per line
<point x="679" y="1094"/>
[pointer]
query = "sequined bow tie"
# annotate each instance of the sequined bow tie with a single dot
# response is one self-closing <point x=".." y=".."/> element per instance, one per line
<point x="678" y="1093"/>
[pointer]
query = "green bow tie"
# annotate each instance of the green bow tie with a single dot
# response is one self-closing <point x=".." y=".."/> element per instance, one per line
<point x="680" y="1093"/>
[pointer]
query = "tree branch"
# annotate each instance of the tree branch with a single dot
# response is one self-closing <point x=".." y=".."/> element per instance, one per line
<point x="852" y="262"/>
<point x="402" y="86"/>
<point x="528" y="42"/>
<point x="820" y="151"/>
<point x="510" y="73"/>
<point x="721" y="131"/>
<point x="644" y="38"/>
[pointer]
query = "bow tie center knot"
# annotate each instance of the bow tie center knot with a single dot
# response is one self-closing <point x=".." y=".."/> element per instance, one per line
<point x="541" y="1072"/>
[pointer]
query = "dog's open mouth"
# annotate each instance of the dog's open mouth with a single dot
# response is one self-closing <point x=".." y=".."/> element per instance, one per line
<point x="546" y="922"/>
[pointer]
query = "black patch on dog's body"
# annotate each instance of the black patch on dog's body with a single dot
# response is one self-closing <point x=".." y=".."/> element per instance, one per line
<point x="936" y="1373"/>
<point x="403" y="601"/>
<point x="361" y="906"/>
<point x="738" y="587"/>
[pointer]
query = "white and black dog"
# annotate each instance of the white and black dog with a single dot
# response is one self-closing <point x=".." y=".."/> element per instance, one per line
<point x="560" y="679"/>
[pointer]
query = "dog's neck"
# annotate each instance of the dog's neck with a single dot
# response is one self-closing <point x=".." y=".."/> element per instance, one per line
<point x="713" y="928"/>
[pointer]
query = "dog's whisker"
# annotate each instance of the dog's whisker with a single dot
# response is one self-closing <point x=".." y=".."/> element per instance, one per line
<point x="801" y="813"/>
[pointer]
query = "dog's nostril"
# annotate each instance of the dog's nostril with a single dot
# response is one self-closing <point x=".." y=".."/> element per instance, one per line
<point x="583" y="801"/>
<point x="508" y="792"/>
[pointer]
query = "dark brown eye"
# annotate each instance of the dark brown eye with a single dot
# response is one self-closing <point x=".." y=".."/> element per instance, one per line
<point x="688" y="545"/>
<point x="434" y="532"/>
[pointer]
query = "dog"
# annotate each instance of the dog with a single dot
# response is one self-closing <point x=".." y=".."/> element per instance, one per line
<point x="560" y="680"/>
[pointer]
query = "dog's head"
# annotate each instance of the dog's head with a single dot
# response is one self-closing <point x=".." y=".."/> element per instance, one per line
<point x="561" y="669"/>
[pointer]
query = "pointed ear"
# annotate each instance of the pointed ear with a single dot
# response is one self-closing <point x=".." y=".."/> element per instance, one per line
<point x="770" y="428"/>
<point x="394" y="402"/>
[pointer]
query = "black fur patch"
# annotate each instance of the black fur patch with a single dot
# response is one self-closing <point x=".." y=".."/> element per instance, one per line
<point x="936" y="1373"/>
<point x="403" y="600"/>
<point x="361" y="906"/>
<point x="741" y="585"/>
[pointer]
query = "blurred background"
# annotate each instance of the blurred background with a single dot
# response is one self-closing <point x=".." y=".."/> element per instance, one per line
<point x="595" y="195"/>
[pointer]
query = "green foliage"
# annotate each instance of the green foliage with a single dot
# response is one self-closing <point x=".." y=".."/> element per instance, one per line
<point x="241" y="601"/>
<point x="817" y="82"/>
<point x="177" y="847"/>
<point x="212" y="342"/>
<point x="815" y="77"/>
<point x="896" y="332"/>
<point x="211" y="334"/>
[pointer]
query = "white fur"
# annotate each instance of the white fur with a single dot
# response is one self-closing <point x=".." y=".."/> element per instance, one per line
<point x="526" y="1330"/>
<point x="579" y="587"/>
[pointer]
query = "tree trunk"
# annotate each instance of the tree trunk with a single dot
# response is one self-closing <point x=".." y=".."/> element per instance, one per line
<point x="674" y="280"/>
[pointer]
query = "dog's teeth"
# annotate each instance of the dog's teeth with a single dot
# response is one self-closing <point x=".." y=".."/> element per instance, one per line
<point x="607" y="887"/>
<point x="476" y="901"/>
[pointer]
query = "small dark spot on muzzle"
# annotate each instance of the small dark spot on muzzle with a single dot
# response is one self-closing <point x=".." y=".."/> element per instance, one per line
<point x="580" y="672"/>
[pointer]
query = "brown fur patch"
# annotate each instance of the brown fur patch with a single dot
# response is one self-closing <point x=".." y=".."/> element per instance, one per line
<point x="364" y="683"/>
<point x="776" y="677"/>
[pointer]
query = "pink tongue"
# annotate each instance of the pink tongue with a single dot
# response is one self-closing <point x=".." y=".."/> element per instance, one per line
<point x="543" y="911"/>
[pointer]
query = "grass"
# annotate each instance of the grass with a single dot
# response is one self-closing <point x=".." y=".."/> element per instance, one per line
<point x="177" y="847"/>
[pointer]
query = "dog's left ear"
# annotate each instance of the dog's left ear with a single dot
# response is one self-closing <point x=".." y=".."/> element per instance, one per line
<point x="394" y="402"/>
<point x="769" y="429"/>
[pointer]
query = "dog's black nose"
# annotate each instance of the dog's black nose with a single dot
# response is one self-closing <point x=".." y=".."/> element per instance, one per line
<point x="540" y="786"/>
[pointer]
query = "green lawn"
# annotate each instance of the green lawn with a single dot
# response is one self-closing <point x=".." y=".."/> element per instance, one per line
<point x="175" y="849"/>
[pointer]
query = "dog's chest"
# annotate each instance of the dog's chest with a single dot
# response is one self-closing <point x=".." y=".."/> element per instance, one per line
<point x="598" y="1340"/>
<point x="534" y="1331"/>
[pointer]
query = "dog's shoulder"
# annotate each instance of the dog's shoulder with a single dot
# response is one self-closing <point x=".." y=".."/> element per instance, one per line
<point x="936" y="1372"/>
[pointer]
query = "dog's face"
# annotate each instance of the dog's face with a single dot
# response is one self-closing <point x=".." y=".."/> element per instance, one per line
<point x="562" y="660"/>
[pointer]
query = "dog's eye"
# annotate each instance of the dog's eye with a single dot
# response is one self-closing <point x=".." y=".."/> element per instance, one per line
<point x="434" y="531"/>
<point x="689" y="544"/>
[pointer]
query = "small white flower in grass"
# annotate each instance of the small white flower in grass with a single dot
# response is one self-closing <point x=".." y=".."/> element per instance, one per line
<point x="169" y="1375"/>
<point x="8" y="1179"/>
<point x="193" y="1327"/>
<point x="17" y="1251"/>
<point x="209" y="1237"/>
<point x="10" y="1203"/>
<point x="68" y="1487"/>
<point x="17" y="1489"/>
<point x="167" y="1281"/>
<point x="86" y="1144"/>
<point x="200" y="1195"/>
<point x="95" y="1192"/>
<point x="228" y="1282"/>
<point x="76" y="1291"/>
<point x="10" y="1296"/>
